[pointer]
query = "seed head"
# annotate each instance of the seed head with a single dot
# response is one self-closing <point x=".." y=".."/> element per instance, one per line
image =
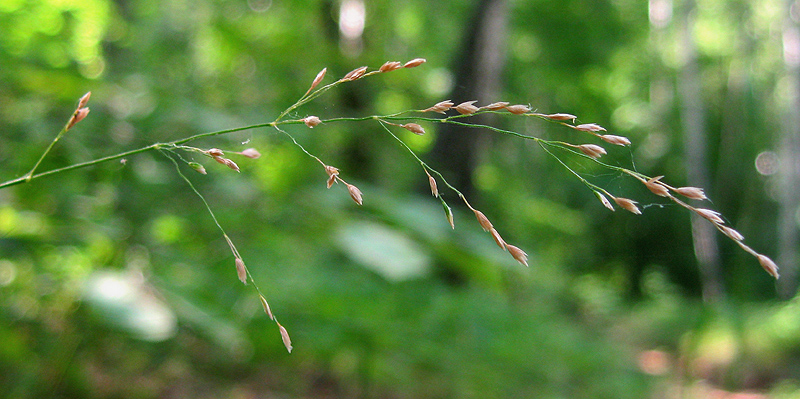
<point x="267" y="310"/>
<point x="311" y="121"/>
<point x="604" y="200"/>
<point x="628" y="205"/>
<point x="561" y="117"/>
<point x="440" y="107"/>
<point x="691" y="192"/>
<point x="518" y="254"/>
<point x="656" y="187"/>
<point x="496" y="106"/>
<point x="355" y="193"/>
<point x="483" y="220"/>
<point x="415" y="63"/>
<point x="355" y="74"/>
<point x="287" y="342"/>
<point x="215" y="152"/>
<point x="590" y="127"/>
<point x="241" y="270"/>
<point x="414" y="128"/>
<point x="617" y="140"/>
<point x="768" y="265"/>
<point x="467" y="108"/>
<point x="499" y="240"/>
<point x="391" y="66"/>
<point x="712" y="216"/>
<point x="251" y="153"/>
<point x="591" y="150"/>
<point x="518" y="109"/>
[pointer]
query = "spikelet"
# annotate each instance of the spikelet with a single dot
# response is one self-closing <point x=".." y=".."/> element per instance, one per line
<point x="440" y="107"/>
<point x="616" y="140"/>
<point x="483" y="220"/>
<point x="497" y="239"/>
<point x="496" y="106"/>
<point x="467" y="108"/>
<point x="355" y="74"/>
<point x="518" y="109"/>
<point x="311" y="121"/>
<point x="241" y="270"/>
<point x="449" y="214"/>
<point x="415" y="63"/>
<point x="656" y="187"/>
<point x="432" y="183"/>
<point x="628" y="205"/>
<point x="589" y="127"/>
<point x="317" y="80"/>
<point x="768" y="265"/>
<point x="251" y="153"/>
<point x="518" y="254"/>
<point x="287" y="342"/>
<point x="414" y="128"/>
<point x="592" y="150"/>
<point x="708" y="214"/>
<point x="198" y="168"/>
<point x="267" y="309"/>
<point x="695" y="193"/>
<point x="391" y="66"/>
<point x="561" y="117"/>
<point x="604" y="200"/>
<point x="355" y="193"/>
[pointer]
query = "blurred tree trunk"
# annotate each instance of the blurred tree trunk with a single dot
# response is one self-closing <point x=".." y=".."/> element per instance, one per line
<point x="789" y="150"/>
<point x="695" y="144"/>
<point x="478" y="71"/>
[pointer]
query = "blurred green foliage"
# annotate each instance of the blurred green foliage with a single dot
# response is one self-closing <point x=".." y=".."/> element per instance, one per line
<point x="116" y="282"/>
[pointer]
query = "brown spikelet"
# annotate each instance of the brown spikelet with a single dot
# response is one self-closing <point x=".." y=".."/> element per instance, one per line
<point x="561" y="117"/>
<point x="264" y="304"/>
<point x="768" y="265"/>
<point x="311" y="121"/>
<point x="589" y="127"/>
<point x="332" y="174"/>
<point x="84" y="100"/>
<point x="518" y="254"/>
<point x="287" y="342"/>
<point x="391" y="66"/>
<point x="628" y="205"/>
<point x="355" y="74"/>
<point x="440" y="107"/>
<point x="215" y="152"/>
<point x="251" y="153"/>
<point x="604" y="200"/>
<point x="317" y="80"/>
<point x="731" y="233"/>
<point x="695" y="193"/>
<point x="227" y="162"/>
<point x="483" y="220"/>
<point x="414" y="128"/>
<point x="499" y="240"/>
<point x="241" y="270"/>
<point x="432" y="182"/>
<point x="496" y="106"/>
<point x="415" y="63"/>
<point x="355" y="193"/>
<point x="518" y="109"/>
<point x="712" y="216"/>
<point x="592" y="150"/>
<point x="467" y="108"/>
<point x="616" y="140"/>
<point x="77" y="116"/>
<point x="656" y="187"/>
